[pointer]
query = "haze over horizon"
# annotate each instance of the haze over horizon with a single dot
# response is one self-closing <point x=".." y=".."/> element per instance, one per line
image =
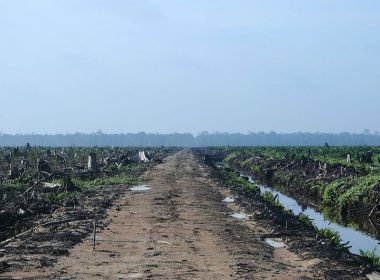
<point x="189" y="66"/>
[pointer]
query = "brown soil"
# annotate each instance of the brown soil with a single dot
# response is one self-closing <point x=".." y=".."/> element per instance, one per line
<point x="180" y="229"/>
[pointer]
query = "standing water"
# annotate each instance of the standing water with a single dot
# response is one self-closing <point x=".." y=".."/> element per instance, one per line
<point x="140" y="188"/>
<point x="240" y="216"/>
<point x="357" y="239"/>
<point x="229" y="199"/>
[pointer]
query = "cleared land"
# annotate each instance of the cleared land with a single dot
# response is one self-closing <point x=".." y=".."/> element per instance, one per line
<point x="182" y="229"/>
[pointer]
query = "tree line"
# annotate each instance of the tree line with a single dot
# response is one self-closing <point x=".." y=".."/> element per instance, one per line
<point x="188" y="140"/>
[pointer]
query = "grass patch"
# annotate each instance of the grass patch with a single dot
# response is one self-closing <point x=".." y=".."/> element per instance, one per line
<point x="106" y="181"/>
<point x="349" y="191"/>
<point x="334" y="236"/>
<point x="64" y="196"/>
<point x="124" y="175"/>
<point x="306" y="220"/>
<point x="269" y="197"/>
<point x="246" y="163"/>
<point x="230" y="157"/>
<point x="282" y="176"/>
<point x="16" y="186"/>
<point x="330" y="191"/>
<point x="371" y="256"/>
<point x="360" y="187"/>
<point x="240" y="180"/>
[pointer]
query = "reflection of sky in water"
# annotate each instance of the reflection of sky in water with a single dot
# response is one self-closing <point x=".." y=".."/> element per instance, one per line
<point x="358" y="240"/>
<point x="275" y="244"/>
<point x="240" y="216"/>
<point x="229" y="199"/>
<point x="140" y="188"/>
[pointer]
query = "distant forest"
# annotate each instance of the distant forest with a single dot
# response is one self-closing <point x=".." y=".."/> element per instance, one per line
<point x="188" y="140"/>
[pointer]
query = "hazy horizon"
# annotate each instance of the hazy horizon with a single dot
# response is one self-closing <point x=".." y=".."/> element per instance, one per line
<point x="189" y="66"/>
<point x="100" y="132"/>
<point x="189" y="140"/>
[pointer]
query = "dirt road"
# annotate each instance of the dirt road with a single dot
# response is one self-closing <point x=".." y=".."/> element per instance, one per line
<point x="179" y="229"/>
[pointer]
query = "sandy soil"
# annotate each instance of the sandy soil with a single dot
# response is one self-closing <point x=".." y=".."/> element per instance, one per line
<point x="179" y="229"/>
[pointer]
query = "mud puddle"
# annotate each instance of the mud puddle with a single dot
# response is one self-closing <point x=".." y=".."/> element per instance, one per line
<point x="240" y="216"/>
<point x="357" y="240"/>
<point x="229" y="199"/>
<point x="374" y="276"/>
<point x="274" y="243"/>
<point x="141" y="188"/>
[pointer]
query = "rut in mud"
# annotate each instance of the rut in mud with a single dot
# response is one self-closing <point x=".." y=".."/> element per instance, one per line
<point x="180" y="228"/>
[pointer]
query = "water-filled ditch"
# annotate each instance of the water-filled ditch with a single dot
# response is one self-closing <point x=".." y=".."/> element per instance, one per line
<point x="357" y="239"/>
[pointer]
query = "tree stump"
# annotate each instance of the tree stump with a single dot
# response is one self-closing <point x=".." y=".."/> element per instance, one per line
<point x="92" y="164"/>
<point x="348" y="158"/>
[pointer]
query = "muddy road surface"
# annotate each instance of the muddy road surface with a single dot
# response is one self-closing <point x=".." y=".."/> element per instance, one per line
<point x="180" y="229"/>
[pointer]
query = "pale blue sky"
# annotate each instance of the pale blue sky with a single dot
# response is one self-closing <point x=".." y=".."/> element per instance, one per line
<point x="189" y="66"/>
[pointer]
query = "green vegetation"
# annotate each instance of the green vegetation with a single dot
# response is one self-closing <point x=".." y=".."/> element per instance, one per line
<point x="326" y="233"/>
<point x="106" y="181"/>
<point x="246" y="163"/>
<point x="372" y="257"/>
<point x="230" y="157"/>
<point x="15" y="186"/>
<point x="349" y="191"/>
<point x="323" y="172"/>
<point x="330" y="155"/>
<point x="305" y="219"/>
<point x="334" y="236"/>
<point x="266" y="196"/>
<point x="283" y="176"/>
<point x="269" y="197"/>
<point x="344" y="189"/>
<point x="122" y="175"/>
<point x="62" y="196"/>
<point x="236" y="179"/>
<point x="21" y="168"/>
